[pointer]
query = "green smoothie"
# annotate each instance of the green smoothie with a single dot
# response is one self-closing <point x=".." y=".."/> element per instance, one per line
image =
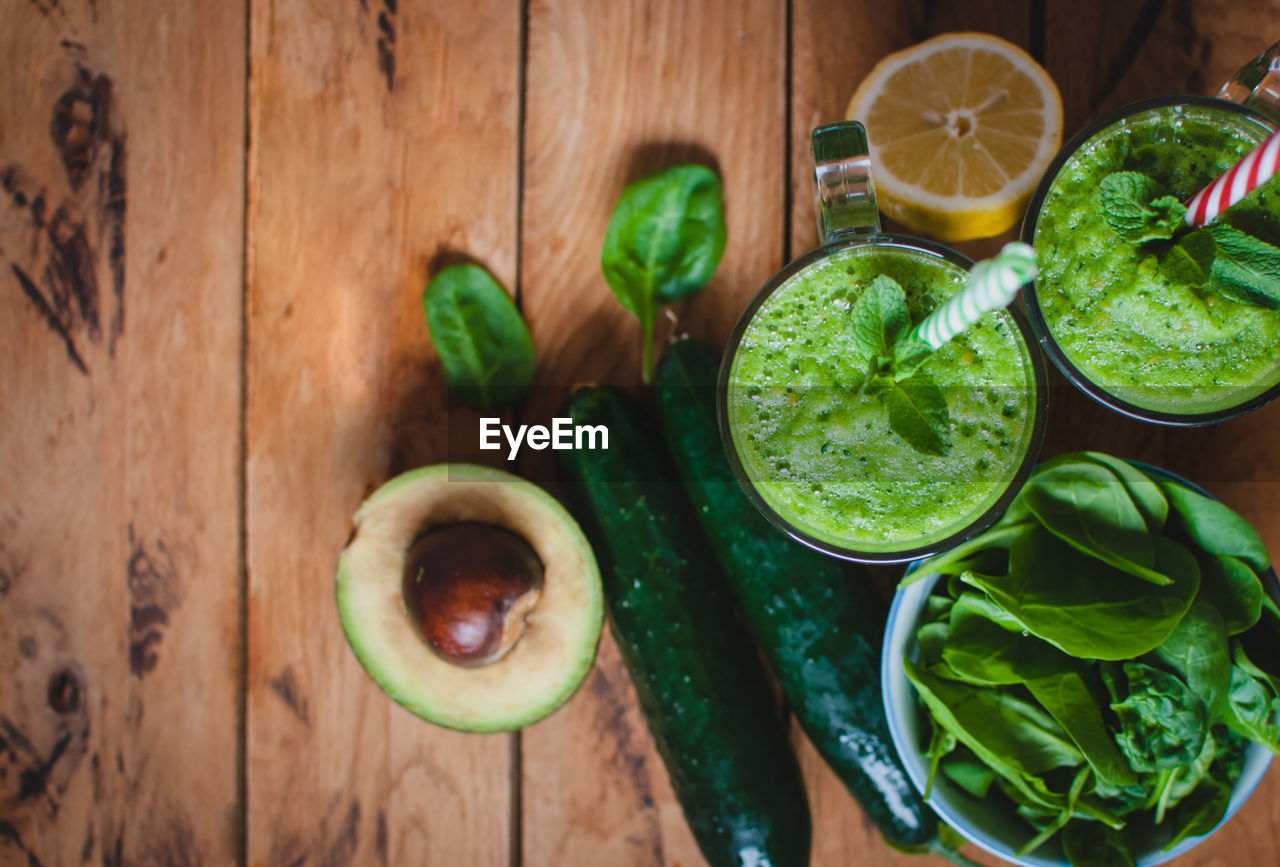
<point x="820" y="452"/>
<point x="1156" y="344"/>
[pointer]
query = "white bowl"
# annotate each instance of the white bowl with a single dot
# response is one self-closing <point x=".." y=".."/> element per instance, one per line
<point x="990" y="824"/>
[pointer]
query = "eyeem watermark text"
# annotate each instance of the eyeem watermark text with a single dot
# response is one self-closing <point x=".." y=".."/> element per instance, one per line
<point x="563" y="434"/>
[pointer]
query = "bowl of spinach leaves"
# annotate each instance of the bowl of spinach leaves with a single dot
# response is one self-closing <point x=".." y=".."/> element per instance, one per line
<point x="1096" y="679"/>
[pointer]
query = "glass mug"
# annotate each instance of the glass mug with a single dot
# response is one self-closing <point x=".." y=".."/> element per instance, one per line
<point x="812" y="445"/>
<point x="1129" y="337"/>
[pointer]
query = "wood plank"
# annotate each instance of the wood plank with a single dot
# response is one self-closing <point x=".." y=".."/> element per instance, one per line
<point x="832" y="50"/>
<point x="121" y="248"/>
<point x="383" y="144"/>
<point x="616" y="91"/>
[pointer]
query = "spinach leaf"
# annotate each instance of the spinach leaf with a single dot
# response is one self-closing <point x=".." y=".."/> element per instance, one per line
<point x="941" y="742"/>
<point x="1075" y="699"/>
<point x="1200" y="812"/>
<point x="1084" y="606"/>
<point x="1197" y="652"/>
<point x="931" y="639"/>
<point x="962" y="558"/>
<point x="1177" y="783"/>
<point x="1093" y="844"/>
<point x="1086" y="506"/>
<point x="985" y="645"/>
<point x="1073" y="795"/>
<point x="1253" y="709"/>
<point x="1229" y="585"/>
<point x="1259" y="646"/>
<point x="1215" y="528"/>
<point x="1163" y="723"/>
<point x="1120" y="800"/>
<point x="937" y="606"/>
<point x="482" y="342"/>
<point x="1144" y="493"/>
<point x="966" y="771"/>
<point x="1012" y="736"/>
<point x="664" y="241"/>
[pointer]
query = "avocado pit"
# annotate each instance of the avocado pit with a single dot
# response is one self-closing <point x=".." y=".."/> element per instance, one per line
<point x="469" y="588"/>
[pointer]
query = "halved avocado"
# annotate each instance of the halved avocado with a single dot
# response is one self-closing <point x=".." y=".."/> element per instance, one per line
<point x="504" y="606"/>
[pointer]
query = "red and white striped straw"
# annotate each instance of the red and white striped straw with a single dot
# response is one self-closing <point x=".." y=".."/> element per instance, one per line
<point x="1245" y="176"/>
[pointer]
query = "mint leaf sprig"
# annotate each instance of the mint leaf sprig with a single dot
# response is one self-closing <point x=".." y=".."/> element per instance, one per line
<point x="1243" y="268"/>
<point x="890" y="357"/>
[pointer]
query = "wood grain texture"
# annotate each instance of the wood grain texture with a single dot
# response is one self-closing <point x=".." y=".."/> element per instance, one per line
<point x="615" y="91"/>
<point x="383" y="144"/>
<point x="121" y="248"/>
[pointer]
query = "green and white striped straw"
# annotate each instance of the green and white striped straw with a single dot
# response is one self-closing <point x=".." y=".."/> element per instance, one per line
<point x="992" y="283"/>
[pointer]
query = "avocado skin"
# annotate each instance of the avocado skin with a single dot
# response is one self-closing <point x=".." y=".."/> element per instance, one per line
<point x="701" y="683"/>
<point x="820" y="622"/>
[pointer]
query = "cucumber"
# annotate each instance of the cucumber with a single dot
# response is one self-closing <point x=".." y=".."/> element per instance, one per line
<point x="819" y="621"/>
<point x="702" y="685"/>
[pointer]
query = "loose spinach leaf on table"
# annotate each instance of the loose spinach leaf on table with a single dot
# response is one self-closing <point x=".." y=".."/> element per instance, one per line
<point x="1086" y="505"/>
<point x="1229" y="585"/>
<point x="1197" y="652"/>
<point x="1215" y="528"/>
<point x="664" y="241"/>
<point x="482" y="342"/>
<point x="1163" y="723"/>
<point x="1093" y="844"/>
<point x="1084" y="606"/>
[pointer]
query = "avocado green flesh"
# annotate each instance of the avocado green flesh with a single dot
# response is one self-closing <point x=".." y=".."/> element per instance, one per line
<point x="821" y="452"/>
<point x="1155" y="344"/>
<point x="549" y="662"/>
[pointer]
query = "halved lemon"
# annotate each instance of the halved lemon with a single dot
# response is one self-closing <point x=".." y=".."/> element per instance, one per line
<point x="961" y="127"/>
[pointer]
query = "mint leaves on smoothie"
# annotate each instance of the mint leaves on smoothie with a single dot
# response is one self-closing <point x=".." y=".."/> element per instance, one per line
<point x="664" y="241"/>
<point x="1242" y="267"/>
<point x="889" y="360"/>
<point x="1138" y="209"/>
<point x="1246" y="269"/>
<point x="1104" y="707"/>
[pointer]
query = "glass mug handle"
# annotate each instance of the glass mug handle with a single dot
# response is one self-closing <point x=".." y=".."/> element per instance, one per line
<point x="1257" y="84"/>
<point x="844" y="196"/>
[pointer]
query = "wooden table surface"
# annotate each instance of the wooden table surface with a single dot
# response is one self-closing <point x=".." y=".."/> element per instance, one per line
<point x="215" y="224"/>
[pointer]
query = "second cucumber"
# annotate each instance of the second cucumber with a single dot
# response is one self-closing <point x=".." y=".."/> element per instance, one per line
<point x="700" y="681"/>
<point x="819" y="625"/>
